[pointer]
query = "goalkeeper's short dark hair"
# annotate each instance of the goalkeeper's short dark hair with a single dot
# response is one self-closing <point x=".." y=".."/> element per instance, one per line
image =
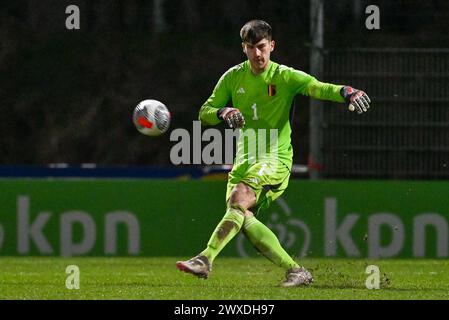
<point x="255" y="30"/>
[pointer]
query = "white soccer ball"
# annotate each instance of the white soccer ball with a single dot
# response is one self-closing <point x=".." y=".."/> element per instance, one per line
<point x="151" y="117"/>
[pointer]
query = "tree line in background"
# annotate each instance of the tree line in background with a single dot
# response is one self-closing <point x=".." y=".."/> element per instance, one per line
<point x="68" y="96"/>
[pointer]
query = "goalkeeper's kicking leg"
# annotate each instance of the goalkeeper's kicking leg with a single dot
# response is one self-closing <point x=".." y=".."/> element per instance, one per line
<point x="237" y="218"/>
<point x="240" y="200"/>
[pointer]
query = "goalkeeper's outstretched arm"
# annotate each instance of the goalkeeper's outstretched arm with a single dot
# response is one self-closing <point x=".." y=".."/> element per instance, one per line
<point x="356" y="99"/>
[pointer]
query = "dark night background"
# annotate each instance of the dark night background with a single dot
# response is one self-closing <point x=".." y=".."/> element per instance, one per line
<point x="68" y="96"/>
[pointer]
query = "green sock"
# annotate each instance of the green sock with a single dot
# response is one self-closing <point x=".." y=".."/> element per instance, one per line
<point x="228" y="227"/>
<point x="266" y="242"/>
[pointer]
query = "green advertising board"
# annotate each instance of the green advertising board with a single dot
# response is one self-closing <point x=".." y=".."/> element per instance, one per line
<point x="96" y="217"/>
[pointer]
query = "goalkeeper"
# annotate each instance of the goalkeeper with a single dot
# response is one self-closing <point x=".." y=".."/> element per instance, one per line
<point x="261" y="92"/>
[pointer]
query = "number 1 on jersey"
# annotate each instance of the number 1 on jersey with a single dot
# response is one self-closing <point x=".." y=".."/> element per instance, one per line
<point x="254" y="107"/>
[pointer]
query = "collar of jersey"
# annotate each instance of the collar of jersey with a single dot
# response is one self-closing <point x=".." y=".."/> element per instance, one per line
<point x="265" y="73"/>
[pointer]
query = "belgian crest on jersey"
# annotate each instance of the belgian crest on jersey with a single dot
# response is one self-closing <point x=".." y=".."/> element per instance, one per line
<point x="271" y="90"/>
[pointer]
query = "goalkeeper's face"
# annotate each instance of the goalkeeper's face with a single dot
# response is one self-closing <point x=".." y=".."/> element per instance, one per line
<point x="258" y="54"/>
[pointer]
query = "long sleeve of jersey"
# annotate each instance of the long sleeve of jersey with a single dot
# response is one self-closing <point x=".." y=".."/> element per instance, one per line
<point x="324" y="91"/>
<point x="307" y="85"/>
<point x="218" y="99"/>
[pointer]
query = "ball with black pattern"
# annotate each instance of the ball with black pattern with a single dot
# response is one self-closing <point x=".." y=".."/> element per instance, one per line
<point x="151" y="117"/>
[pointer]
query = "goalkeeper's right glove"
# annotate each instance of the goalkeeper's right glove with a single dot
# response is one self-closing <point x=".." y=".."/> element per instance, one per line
<point x="232" y="116"/>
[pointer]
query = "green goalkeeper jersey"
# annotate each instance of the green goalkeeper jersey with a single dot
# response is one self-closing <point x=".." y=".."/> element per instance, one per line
<point x="265" y="101"/>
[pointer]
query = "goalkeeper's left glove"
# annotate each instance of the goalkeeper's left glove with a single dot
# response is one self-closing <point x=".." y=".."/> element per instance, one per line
<point x="357" y="99"/>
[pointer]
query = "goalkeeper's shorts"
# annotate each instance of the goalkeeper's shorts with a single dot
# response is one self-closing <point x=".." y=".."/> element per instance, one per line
<point x="268" y="179"/>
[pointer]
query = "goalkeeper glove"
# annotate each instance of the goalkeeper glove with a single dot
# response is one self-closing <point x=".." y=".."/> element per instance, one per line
<point x="357" y="99"/>
<point x="232" y="116"/>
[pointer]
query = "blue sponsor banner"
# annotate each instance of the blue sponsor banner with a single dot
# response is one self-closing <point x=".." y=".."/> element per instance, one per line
<point x="94" y="171"/>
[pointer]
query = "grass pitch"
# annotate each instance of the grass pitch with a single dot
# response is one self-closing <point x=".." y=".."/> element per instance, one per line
<point x="231" y="278"/>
